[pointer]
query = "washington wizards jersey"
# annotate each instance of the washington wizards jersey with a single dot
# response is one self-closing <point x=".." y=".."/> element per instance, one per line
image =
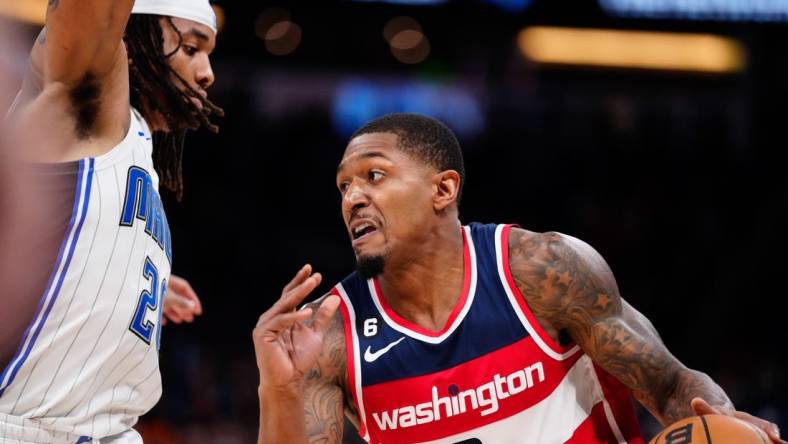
<point x="86" y="361"/>
<point x="491" y="375"/>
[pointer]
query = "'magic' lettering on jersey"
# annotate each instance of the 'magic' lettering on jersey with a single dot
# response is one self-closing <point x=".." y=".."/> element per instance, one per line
<point x="142" y="202"/>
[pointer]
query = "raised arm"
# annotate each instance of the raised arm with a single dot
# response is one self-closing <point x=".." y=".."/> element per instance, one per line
<point x="83" y="37"/>
<point x="77" y="84"/>
<point x="301" y="360"/>
<point x="571" y="289"/>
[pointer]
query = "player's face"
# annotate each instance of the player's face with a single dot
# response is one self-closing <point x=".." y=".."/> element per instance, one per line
<point x="387" y="196"/>
<point x="192" y="59"/>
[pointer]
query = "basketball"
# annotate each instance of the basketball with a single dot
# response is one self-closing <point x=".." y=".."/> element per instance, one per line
<point x="711" y="429"/>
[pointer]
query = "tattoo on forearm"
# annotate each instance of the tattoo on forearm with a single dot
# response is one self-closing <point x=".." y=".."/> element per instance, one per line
<point x="323" y="403"/>
<point x="53" y="4"/>
<point x="42" y="37"/>
<point x="689" y="385"/>
<point x="570" y="288"/>
<point x="324" y="415"/>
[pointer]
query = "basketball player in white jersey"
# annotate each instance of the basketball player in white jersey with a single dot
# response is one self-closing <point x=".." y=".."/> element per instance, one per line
<point x="460" y="334"/>
<point x="81" y="324"/>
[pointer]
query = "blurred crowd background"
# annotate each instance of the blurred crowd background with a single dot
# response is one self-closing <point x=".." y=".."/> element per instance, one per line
<point x="653" y="130"/>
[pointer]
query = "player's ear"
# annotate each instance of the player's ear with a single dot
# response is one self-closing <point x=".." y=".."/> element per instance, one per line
<point x="446" y="186"/>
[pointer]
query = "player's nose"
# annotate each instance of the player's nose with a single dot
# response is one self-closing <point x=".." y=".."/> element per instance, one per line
<point x="355" y="197"/>
<point x="204" y="75"/>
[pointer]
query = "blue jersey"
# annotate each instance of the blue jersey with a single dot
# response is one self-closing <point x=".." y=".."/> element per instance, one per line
<point x="490" y="375"/>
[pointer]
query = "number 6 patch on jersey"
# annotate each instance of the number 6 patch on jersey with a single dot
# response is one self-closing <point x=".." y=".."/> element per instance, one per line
<point x="370" y="327"/>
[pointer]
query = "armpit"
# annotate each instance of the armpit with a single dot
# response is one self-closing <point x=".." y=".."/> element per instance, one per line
<point x="85" y="99"/>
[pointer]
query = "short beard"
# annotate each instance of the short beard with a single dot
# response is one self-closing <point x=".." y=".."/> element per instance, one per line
<point x="370" y="266"/>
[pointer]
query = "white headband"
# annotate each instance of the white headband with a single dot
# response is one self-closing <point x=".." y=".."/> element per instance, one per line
<point x="199" y="11"/>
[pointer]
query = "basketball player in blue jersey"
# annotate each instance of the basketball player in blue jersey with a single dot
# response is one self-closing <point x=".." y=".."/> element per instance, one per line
<point x="83" y="301"/>
<point x="460" y="334"/>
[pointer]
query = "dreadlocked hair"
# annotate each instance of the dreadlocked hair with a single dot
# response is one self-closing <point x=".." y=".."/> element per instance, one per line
<point x="155" y="86"/>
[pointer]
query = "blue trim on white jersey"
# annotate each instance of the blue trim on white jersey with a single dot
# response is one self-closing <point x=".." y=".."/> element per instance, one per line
<point x="83" y="439"/>
<point x="70" y="241"/>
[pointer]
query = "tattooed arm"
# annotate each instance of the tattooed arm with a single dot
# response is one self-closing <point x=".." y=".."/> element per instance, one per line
<point x="319" y="395"/>
<point x="323" y="388"/>
<point x="571" y="290"/>
<point x="301" y="359"/>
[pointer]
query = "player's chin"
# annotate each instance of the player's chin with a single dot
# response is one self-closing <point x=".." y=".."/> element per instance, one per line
<point x="367" y="250"/>
<point x="370" y="243"/>
<point x="369" y="266"/>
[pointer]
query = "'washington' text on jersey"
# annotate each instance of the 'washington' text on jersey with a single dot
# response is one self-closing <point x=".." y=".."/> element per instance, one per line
<point x="142" y="202"/>
<point x="489" y="375"/>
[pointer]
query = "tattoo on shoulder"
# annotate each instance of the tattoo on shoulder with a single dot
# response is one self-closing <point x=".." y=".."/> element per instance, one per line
<point x="563" y="280"/>
<point x="52" y="4"/>
<point x="568" y="283"/>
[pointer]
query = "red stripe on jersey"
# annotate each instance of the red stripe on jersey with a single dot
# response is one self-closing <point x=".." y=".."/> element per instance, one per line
<point x="478" y="392"/>
<point x="521" y="299"/>
<point x="466" y="285"/>
<point x="595" y="429"/>
<point x="620" y="400"/>
<point x="350" y="358"/>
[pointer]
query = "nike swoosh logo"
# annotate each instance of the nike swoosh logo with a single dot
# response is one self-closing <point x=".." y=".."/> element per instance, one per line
<point x="372" y="357"/>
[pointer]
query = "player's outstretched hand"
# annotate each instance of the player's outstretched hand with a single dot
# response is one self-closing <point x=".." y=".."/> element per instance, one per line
<point x="181" y="303"/>
<point x="701" y="407"/>
<point x="286" y="347"/>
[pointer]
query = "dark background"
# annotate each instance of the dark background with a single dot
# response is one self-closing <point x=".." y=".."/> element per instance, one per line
<point x="676" y="178"/>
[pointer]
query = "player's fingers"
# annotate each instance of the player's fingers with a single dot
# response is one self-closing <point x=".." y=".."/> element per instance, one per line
<point x="186" y="312"/>
<point x="182" y="286"/>
<point x="179" y="309"/>
<point x="182" y="289"/>
<point x="770" y="428"/>
<point x="701" y="407"/>
<point x="287" y="339"/>
<point x="302" y="274"/>
<point x="173" y="316"/>
<point x="197" y="309"/>
<point x="275" y="326"/>
<point x="296" y="296"/>
<point x="325" y="313"/>
<point x="291" y="299"/>
<point x="268" y="314"/>
<point x="180" y="303"/>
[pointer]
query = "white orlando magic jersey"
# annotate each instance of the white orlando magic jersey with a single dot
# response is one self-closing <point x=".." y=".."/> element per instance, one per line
<point x="85" y="364"/>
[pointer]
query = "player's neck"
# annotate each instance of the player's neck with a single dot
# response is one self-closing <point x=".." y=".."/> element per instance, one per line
<point x="424" y="288"/>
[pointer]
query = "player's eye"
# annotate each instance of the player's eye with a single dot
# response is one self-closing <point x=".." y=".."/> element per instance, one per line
<point x="375" y="175"/>
<point x="190" y="50"/>
<point x="343" y="187"/>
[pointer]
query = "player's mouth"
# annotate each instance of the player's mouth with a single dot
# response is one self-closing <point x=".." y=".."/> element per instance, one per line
<point x="197" y="103"/>
<point x="361" y="230"/>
